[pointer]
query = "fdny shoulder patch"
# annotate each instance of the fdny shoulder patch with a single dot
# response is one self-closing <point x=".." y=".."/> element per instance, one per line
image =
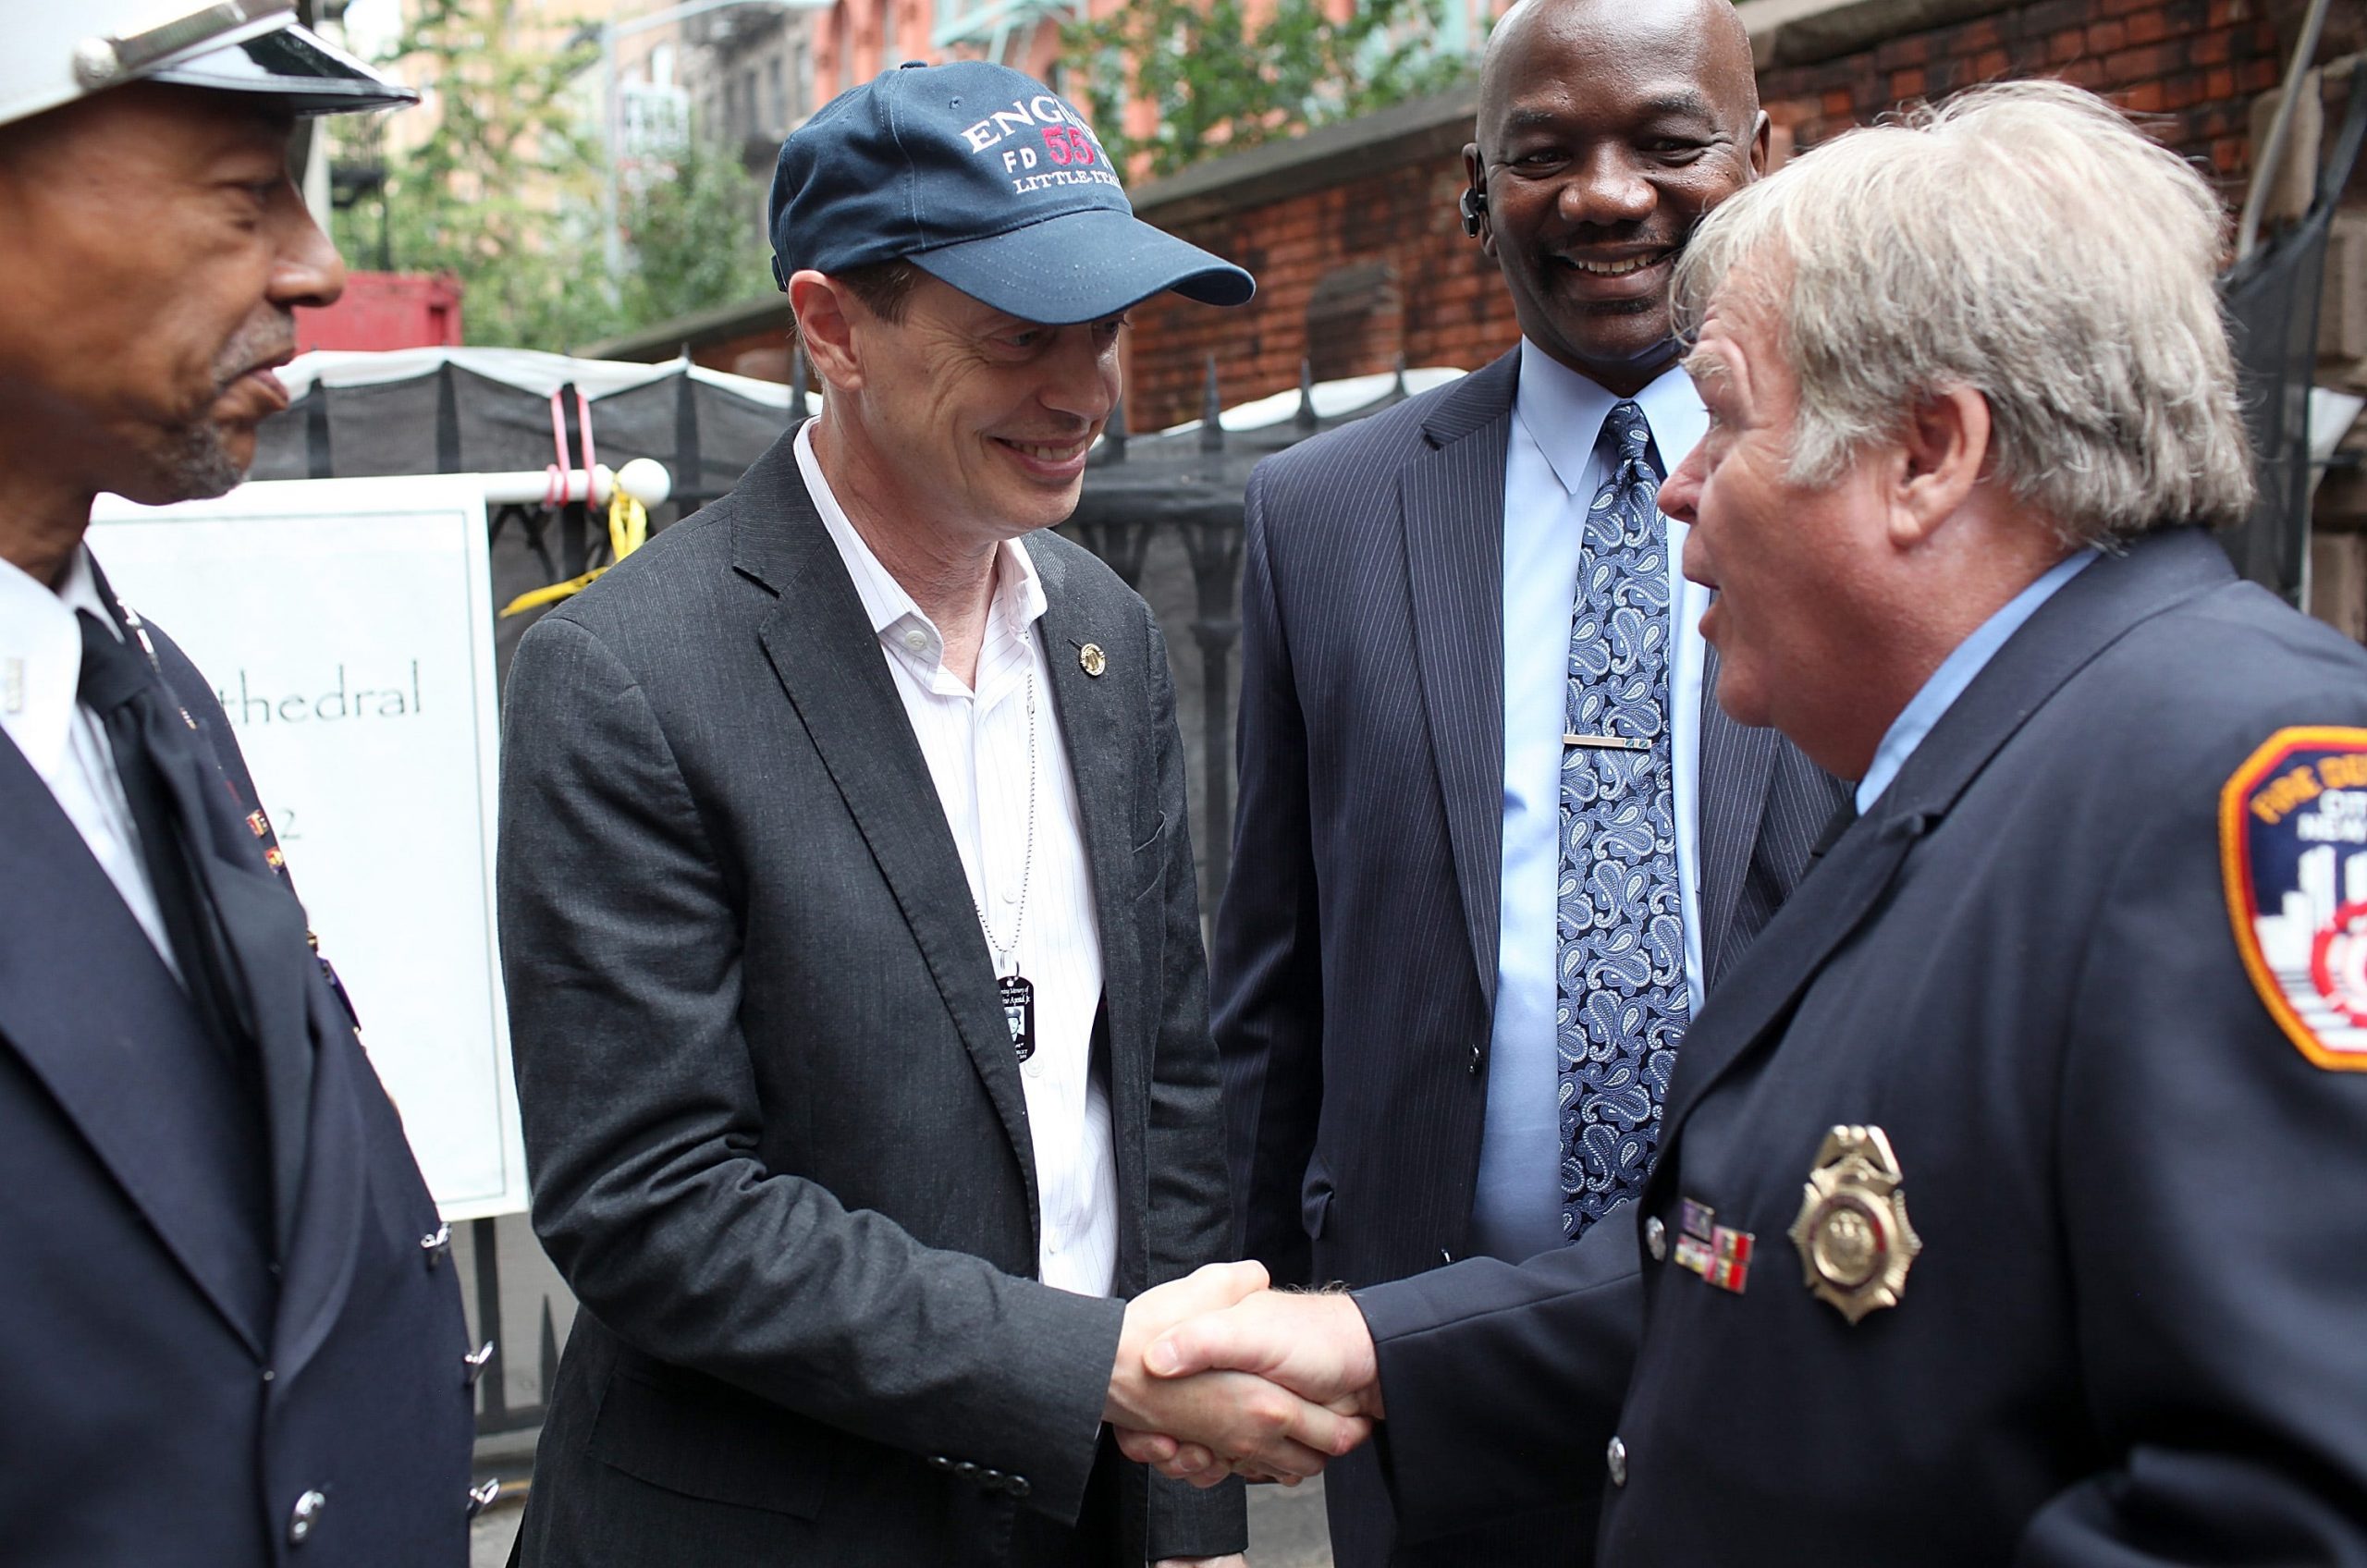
<point x="2293" y="853"/>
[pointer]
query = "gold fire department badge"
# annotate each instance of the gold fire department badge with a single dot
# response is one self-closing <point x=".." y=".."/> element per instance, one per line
<point x="1855" y="1242"/>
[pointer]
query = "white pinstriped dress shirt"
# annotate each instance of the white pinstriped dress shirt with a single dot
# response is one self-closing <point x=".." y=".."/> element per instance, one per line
<point x="976" y="746"/>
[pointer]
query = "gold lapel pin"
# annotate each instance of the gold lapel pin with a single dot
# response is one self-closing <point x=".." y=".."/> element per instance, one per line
<point x="1091" y="659"/>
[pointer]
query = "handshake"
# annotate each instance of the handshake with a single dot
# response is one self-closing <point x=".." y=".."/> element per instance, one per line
<point x="1219" y="1376"/>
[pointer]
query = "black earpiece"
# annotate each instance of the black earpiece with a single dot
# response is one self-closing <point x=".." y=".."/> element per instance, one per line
<point x="1474" y="207"/>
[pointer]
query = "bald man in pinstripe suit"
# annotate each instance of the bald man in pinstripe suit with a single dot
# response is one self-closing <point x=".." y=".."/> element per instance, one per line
<point x="1414" y="944"/>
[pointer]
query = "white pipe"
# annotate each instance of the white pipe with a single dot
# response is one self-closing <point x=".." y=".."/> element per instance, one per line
<point x="644" y="479"/>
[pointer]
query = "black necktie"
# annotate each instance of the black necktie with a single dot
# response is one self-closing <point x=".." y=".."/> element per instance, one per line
<point x="164" y="776"/>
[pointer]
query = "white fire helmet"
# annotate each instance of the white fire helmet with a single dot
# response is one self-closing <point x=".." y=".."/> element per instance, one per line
<point x="67" y="49"/>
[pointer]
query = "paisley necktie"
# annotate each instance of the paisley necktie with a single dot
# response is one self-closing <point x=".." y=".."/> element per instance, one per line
<point x="1621" y="1004"/>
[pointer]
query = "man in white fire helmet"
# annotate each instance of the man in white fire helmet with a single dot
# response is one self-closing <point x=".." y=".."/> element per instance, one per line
<point x="229" y="1332"/>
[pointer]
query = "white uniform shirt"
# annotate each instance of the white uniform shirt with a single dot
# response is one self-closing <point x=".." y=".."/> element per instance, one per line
<point x="976" y="744"/>
<point x="41" y="669"/>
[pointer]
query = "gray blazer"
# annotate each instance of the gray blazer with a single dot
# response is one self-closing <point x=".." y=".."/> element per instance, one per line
<point x="778" y="1142"/>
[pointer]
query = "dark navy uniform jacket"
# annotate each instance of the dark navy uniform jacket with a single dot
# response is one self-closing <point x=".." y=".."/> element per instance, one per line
<point x="222" y="1342"/>
<point x="2136" y="1330"/>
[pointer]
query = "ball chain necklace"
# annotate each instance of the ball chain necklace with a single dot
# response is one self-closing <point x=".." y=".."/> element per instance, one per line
<point x="1016" y="991"/>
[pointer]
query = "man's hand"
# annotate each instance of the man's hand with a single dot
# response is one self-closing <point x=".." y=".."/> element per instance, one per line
<point x="1218" y="1421"/>
<point x="1316" y="1346"/>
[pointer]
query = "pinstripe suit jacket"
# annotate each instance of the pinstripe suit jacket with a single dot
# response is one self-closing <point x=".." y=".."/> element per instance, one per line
<point x="1354" y="964"/>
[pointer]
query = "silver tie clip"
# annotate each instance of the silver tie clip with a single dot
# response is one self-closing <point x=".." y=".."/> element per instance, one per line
<point x="1607" y="742"/>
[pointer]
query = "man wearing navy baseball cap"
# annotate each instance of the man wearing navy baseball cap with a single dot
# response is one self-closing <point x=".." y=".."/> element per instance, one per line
<point x="849" y="922"/>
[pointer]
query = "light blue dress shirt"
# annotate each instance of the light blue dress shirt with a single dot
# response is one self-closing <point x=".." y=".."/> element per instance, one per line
<point x="1551" y="472"/>
<point x="1948" y="683"/>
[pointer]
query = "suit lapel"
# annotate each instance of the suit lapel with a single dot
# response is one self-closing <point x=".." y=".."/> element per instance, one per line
<point x="1099" y="717"/>
<point x="1737" y="762"/>
<point x="2085" y="617"/>
<point x="825" y="655"/>
<point x="1777" y="967"/>
<point x="94" y="1013"/>
<point x="327" y="1218"/>
<point x="1452" y="503"/>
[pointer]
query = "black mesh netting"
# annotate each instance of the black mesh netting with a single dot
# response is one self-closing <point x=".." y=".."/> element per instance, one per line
<point x="2272" y="296"/>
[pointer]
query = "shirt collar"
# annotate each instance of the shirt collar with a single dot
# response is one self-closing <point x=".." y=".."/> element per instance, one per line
<point x="41" y="655"/>
<point x="1019" y="599"/>
<point x="80" y="591"/>
<point x="1564" y="411"/>
<point x="1964" y="661"/>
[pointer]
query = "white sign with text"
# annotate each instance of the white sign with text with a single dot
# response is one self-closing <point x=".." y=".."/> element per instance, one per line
<point x="346" y="626"/>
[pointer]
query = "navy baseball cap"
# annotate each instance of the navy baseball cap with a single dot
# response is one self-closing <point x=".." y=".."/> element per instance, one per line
<point x="984" y="179"/>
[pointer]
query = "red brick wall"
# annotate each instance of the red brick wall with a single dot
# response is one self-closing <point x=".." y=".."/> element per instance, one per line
<point x="1452" y="306"/>
<point x="2196" y="63"/>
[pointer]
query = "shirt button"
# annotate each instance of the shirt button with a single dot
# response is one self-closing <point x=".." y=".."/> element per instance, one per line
<point x="1656" y="1238"/>
<point x="1010" y="895"/>
<point x="1614" y="1458"/>
<point x="916" y="639"/>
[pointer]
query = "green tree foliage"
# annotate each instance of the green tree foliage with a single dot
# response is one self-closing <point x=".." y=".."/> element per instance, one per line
<point x="1221" y="84"/>
<point x="507" y="192"/>
<point x="696" y="237"/>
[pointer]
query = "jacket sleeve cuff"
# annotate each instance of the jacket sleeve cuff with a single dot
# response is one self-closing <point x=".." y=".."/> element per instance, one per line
<point x="1187" y="1521"/>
